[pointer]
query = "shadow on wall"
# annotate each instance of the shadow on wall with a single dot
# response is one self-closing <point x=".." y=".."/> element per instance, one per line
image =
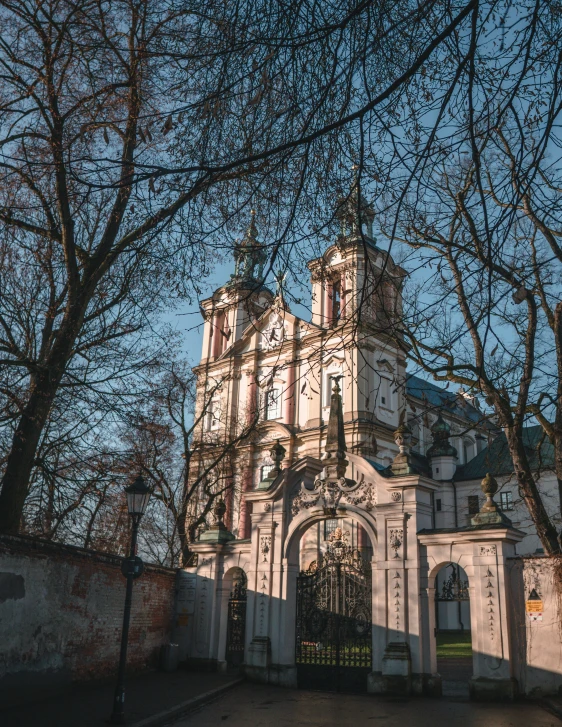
<point x="61" y="610"/>
<point x="537" y="661"/>
<point x="535" y="587"/>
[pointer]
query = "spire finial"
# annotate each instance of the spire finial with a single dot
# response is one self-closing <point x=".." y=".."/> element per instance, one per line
<point x="441" y="446"/>
<point x="249" y="255"/>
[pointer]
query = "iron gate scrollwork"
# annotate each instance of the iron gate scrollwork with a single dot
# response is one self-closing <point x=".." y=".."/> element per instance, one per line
<point x="454" y="587"/>
<point x="236" y="625"/>
<point x="333" y="634"/>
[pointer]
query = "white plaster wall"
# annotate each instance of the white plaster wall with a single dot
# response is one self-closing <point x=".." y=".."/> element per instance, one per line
<point x="537" y="645"/>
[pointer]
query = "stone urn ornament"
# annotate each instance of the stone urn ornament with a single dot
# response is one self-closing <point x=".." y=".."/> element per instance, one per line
<point x="490" y="513"/>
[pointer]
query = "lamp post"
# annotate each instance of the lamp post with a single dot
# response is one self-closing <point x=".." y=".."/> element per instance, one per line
<point x="138" y="495"/>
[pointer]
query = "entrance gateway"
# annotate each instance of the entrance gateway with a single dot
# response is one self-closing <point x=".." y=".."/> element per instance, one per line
<point x="348" y="625"/>
<point x="333" y="621"/>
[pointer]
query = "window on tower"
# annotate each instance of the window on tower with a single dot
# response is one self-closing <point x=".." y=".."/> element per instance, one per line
<point x="213" y="415"/>
<point x="336" y="302"/>
<point x="385" y="393"/>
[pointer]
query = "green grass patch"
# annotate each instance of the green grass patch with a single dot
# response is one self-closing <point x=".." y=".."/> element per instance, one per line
<point x="456" y="644"/>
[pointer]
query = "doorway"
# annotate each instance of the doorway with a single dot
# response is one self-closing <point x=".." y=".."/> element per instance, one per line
<point x="452" y="633"/>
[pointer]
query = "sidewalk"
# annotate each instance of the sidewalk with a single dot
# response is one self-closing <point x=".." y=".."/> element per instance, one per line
<point x="146" y="698"/>
<point x="553" y="704"/>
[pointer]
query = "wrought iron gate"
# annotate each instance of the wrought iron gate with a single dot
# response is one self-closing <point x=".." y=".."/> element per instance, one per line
<point x="333" y="644"/>
<point x="236" y="626"/>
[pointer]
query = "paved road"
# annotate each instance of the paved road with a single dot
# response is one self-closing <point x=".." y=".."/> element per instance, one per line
<point x="263" y="706"/>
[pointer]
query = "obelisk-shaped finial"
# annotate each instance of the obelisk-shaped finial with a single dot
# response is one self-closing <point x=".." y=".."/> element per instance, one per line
<point x="334" y="458"/>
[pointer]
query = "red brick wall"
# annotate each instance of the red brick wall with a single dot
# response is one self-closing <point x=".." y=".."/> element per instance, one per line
<point x="61" y="610"/>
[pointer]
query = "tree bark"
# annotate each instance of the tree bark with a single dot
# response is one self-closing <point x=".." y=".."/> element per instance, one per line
<point x="21" y="459"/>
<point x="545" y="529"/>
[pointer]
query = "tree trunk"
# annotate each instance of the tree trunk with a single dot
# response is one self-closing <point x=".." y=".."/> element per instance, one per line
<point x="43" y="389"/>
<point x="21" y="459"/>
<point x="545" y="529"/>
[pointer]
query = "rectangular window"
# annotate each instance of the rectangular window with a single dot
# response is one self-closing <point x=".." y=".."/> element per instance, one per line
<point x="438" y="505"/>
<point x="273" y="403"/>
<point x="213" y="415"/>
<point x="473" y="504"/>
<point x="385" y="392"/>
<point x="506" y="500"/>
<point x="329" y="527"/>
<point x="265" y="470"/>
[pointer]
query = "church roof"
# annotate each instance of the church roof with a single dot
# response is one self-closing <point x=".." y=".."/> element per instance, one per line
<point x="496" y="459"/>
<point x="438" y="398"/>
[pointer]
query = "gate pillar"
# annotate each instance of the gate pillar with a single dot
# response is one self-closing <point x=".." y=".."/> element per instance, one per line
<point x="399" y="631"/>
<point x="203" y="620"/>
<point x="493" y="666"/>
<point x="260" y="583"/>
<point x="483" y="552"/>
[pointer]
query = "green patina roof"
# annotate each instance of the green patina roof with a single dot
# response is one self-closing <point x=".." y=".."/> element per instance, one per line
<point x="496" y="459"/>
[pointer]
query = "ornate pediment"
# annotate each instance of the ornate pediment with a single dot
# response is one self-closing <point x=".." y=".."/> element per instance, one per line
<point x="274" y="332"/>
<point x="330" y="494"/>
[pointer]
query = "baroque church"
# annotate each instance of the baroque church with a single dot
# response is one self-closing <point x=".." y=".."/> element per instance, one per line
<point x="358" y="499"/>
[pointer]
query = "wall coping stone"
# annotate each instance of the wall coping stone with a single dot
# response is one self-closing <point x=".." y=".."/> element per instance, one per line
<point x="39" y="547"/>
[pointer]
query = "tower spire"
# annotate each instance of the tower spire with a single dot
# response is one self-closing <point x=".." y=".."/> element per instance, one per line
<point x="250" y="256"/>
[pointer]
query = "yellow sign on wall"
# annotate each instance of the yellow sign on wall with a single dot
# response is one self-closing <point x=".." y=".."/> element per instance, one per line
<point x="534" y="606"/>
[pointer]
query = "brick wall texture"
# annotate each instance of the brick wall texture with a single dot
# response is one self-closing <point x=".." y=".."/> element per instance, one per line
<point x="61" y="611"/>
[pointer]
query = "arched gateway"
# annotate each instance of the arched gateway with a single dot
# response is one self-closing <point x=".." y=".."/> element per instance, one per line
<point x="361" y="614"/>
<point x="333" y="645"/>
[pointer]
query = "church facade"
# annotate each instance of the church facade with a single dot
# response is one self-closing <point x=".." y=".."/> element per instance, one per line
<point x="344" y="537"/>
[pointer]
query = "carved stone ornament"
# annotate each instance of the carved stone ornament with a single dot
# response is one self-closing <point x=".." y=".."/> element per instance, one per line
<point x="265" y="546"/>
<point x="487" y="550"/>
<point x="395" y="496"/>
<point x="329" y="494"/>
<point x="396" y="537"/>
<point x="274" y="333"/>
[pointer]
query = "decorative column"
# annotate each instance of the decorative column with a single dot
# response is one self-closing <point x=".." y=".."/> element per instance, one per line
<point x="244" y="523"/>
<point x="252" y="402"/>
<point x="289" y="408"/>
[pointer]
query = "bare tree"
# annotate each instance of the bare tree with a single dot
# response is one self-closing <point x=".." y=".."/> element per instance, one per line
<point x="179" y="453"/>
<point x="486" y="312"/>
<point x="132" y="131"/>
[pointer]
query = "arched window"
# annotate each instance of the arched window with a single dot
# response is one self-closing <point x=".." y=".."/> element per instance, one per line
<point x="329" y="385"/>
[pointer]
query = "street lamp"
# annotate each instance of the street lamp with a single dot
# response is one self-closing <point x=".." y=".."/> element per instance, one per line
<point x="138" y="495"/>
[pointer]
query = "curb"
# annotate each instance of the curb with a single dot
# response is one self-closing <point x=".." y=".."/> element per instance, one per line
<point x="552" y="706"/>
<point x="180" y="709"/>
